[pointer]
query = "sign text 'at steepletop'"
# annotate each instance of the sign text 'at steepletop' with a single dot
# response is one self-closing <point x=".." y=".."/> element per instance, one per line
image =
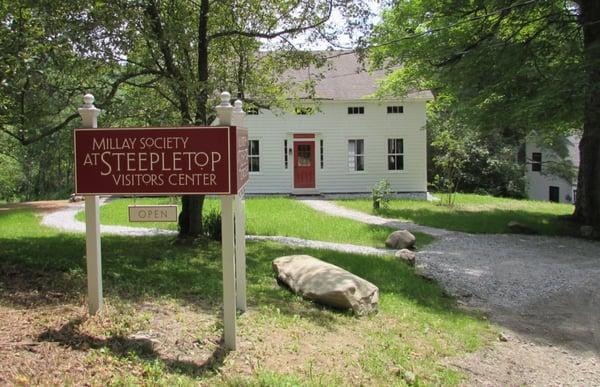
<point x="159" y="161"/>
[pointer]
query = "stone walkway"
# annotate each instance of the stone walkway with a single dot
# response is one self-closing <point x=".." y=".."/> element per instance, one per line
<point x="64" y="220"/>
<point x="331" y="208"/>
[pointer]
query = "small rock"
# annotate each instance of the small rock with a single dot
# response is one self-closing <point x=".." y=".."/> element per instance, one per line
<point x="407" y="256"/>
<point x="401" y="239"/>
<point x="520" y="228"/>
<point x="421" y="271"/>
<point x="503" y="337"/>
<point x="75" y="198"/>
<point x="586" y="231"/>
<point x="409" y="377"/>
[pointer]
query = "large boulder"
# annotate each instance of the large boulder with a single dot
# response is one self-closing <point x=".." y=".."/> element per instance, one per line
<point x="326" y="284"/>
<point x="401" y="239"/>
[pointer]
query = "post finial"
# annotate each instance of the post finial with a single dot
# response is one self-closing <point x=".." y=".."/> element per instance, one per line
<point x="224" y="109"/>
<point x="237" y="106"/>
<point x="88" y="99"/>
<point x="225" y="98"/>
<point x="88" y="112"/>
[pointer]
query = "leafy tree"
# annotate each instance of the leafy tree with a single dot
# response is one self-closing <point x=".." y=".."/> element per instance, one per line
<point x="52" y="53"/>
<point x="148" y="62"/>
<point x="192" y="49"/>
<point x="506" y="67"/>
<point x="484" y="162"/>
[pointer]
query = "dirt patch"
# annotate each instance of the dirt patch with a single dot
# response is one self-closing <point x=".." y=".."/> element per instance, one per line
<point x="521" y="361"/>
<point x="41" y="206"/>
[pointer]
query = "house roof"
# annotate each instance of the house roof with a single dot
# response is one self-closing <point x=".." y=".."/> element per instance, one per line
<point x="343" y="77"/>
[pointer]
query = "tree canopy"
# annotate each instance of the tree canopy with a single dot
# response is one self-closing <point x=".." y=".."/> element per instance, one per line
<point x="503" y="67"/>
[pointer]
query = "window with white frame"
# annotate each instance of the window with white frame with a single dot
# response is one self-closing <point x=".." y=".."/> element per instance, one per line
<point x="356" y="155"/>
<point x="253" y="156"/>
<point x="536" y="162"/>
<point x="395" y="109"/>
<point x="395" y="154"/>
<point x="356" y="110"/>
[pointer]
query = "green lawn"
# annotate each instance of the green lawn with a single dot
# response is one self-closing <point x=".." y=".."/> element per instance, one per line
<point x="175" y="292"/>
<point x="475" y="213"/>
<point x="272" y="216"/>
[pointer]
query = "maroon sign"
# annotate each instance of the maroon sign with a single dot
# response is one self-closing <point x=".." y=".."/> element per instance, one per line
<point x="155" y="161"/>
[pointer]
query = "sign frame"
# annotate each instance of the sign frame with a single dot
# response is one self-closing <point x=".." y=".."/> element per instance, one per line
<point x="233" y="147"/>
<point x="233" y="251"/>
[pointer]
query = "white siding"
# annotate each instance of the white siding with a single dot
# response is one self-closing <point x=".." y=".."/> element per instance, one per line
<point x="335" y="127"/>
<point x="538" y="183"/>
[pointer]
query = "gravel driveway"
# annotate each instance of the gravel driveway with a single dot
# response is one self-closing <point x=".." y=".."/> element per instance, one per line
<point x="548" y="287"/>
<point x="544" y="287"/>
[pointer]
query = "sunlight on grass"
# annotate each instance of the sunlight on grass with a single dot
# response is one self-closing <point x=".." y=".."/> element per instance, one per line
<point x="474" y="213"/>
<point x="272" y="216"/>
<point x="418" y="326"/>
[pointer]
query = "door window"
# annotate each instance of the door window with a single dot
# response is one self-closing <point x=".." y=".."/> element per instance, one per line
<point x="304" y="155"/>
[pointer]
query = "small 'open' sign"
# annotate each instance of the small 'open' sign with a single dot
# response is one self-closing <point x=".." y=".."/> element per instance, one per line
<point x="159" y="213"/>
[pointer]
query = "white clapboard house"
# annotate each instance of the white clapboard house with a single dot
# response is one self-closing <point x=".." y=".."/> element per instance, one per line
<point x="542" y="182"/>
<point x="343" y="140"/>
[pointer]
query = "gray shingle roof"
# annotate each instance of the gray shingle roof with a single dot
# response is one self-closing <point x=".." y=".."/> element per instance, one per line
<point x="345" y="78"/>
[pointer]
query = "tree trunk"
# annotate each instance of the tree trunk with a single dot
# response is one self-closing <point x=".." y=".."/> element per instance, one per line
<point x="587" y="207"/>
<point x="190" y="218"/>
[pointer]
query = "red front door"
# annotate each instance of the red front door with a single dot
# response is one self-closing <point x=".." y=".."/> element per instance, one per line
<point x="304" y="164"/>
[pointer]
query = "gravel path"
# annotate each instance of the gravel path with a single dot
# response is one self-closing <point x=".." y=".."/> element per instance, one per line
<point x="331" y="208"/>
<point x="64" y="219"/>
<point x="342" y="247"/>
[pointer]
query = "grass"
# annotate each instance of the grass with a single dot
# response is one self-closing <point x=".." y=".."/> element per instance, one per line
<point x="475" y="213"/>
<point x="174" y="292"/>
<point x="272" y="216"/>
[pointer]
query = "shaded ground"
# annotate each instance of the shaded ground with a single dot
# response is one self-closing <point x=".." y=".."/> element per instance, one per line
<point x="543" y="291"/>
<point x="162" y="322"/>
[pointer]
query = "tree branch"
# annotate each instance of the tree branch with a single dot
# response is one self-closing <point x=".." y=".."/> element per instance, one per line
<point x="275" y="34"/>
<point x="48" y="132"/>
<point x="163" y="44"/>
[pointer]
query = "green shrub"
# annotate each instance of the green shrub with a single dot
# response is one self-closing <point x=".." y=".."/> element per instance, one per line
<point x="211" y="222"/>
<point x="381" y="194"/>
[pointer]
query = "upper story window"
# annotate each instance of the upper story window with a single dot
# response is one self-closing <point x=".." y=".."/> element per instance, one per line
<point x="536" y="162"/>
<point x="356" y="155"/>
<point x="304" y="110"/>
<point x="253" y="110"/>
<point x="395" y="154"/>
<point x="356" y="110"/>
<point x="253" y="156"/>
<point x="395" y="109"/>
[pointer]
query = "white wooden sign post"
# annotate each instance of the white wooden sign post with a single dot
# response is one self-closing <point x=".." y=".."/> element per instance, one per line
<point x="233" y="239"/>
<point x="89" y="119"/>
<point x="167" y="161"/>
